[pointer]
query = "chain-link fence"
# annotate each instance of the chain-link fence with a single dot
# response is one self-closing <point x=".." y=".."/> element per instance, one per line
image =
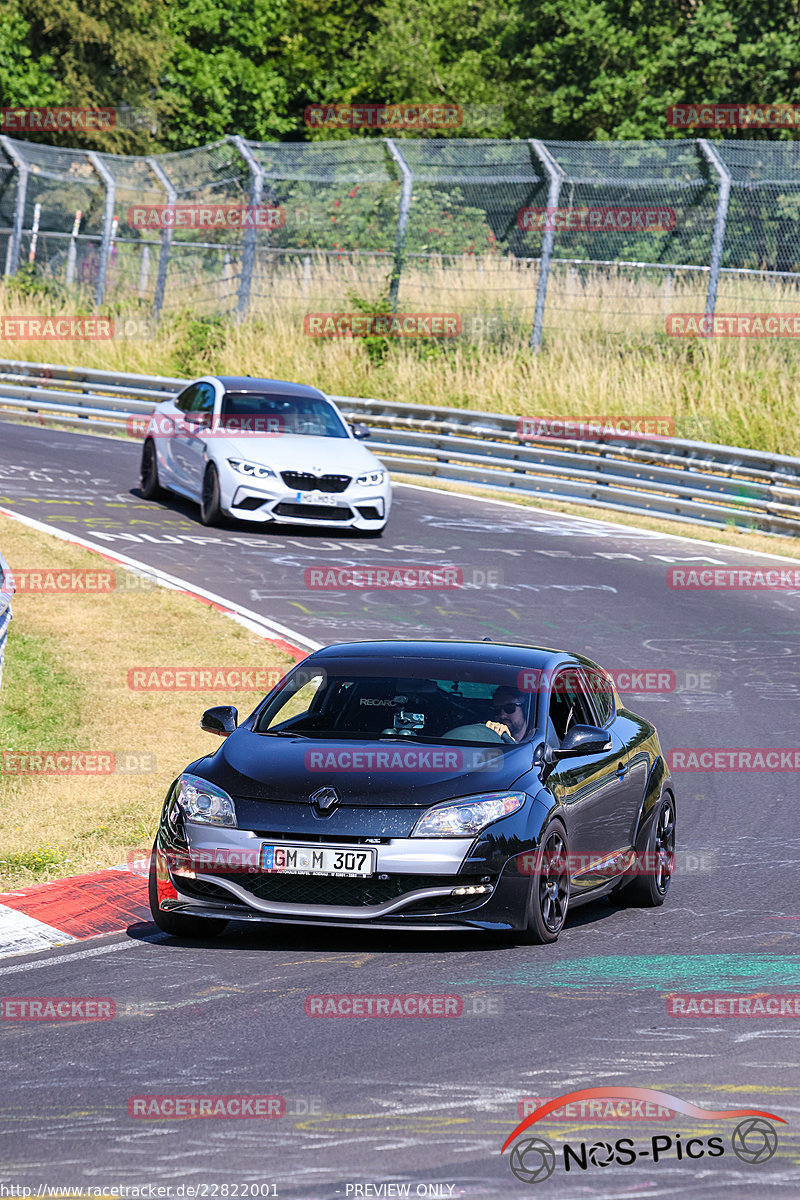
<point x="556" y="236"/>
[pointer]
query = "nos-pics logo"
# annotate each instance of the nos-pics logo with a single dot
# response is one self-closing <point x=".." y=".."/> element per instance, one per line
<point x="533" y="1159"/>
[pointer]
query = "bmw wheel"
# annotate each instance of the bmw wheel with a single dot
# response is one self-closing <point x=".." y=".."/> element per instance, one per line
<point x="548" y="898"/>
<point x="210" y="509"/>
<point x="148" y="475"/>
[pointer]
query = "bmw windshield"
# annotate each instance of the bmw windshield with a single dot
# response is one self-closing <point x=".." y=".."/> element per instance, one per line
<point x="310" y="416"/>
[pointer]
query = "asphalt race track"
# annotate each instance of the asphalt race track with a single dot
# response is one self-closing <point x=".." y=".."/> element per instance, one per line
<point x="430" y="1101"/>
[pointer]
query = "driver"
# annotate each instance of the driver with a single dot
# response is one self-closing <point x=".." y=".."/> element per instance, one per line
<point x="509" y="715"/>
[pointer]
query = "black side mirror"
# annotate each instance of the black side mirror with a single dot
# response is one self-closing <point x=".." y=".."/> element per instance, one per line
<point x="581" y="739"/>
<point x="221" y="720"/>
<point x="360" y="430"/>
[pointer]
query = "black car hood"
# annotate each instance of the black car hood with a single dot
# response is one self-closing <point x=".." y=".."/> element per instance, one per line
<point x="256" y="767"/>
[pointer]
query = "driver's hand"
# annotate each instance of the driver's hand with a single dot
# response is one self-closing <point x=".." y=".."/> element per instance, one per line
<point x="498" y="727"/>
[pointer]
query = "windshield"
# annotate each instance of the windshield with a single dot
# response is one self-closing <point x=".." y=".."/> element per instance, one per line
<point x="365" y="704"/>
<point x="308" y="415"/>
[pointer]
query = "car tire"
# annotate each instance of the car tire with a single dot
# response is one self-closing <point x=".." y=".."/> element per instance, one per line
<point x="148" y="474"/>
<point x="210" y="508"/>
<point x="650" y="890"/>
<point x="548" y="895"/>
<point x="176" y="924"/>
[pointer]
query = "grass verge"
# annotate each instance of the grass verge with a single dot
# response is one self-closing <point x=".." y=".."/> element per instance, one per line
<point x="65" y="687"/>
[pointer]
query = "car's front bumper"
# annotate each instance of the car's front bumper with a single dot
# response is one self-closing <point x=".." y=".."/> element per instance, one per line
<point x="417" y="883"/>
<point x="357" y="507"/>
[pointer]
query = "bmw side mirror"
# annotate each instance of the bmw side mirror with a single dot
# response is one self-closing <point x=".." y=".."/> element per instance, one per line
<point x="360" y="430"/>
<point x="582" y="739"/>
<point x="221" y="720"/>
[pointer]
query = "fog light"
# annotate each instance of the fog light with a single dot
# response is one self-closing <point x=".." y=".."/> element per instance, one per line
<point x="472" y="890"/>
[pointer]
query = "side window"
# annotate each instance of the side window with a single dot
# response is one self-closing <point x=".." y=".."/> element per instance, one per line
<point x="186" y="399"/>
<point x="568" y="704"/>
<point x="602" y="693"/>
<point x="204" y="398"/>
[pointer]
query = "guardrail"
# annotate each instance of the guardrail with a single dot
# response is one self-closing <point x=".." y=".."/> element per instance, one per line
<point x="6" y="592"/>
<point x="671" y="478"/>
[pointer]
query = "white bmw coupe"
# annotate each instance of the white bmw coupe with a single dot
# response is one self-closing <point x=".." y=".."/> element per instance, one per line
<point x="267" y="451"/>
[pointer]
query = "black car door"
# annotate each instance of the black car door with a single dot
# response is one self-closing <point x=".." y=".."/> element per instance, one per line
<point x="633" y="733"/>
<point x="590" y="787"/>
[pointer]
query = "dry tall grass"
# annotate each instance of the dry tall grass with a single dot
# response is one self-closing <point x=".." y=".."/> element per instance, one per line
<point x="65" y="686"/>
<point x="605" y="351"/>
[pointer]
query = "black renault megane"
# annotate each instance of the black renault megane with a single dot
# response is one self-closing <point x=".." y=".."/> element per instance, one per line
<point x="419" y="785"/>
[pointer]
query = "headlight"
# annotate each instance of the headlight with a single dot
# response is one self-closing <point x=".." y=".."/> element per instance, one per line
<point x="372" y="478"/>
<point x="254" y="470"/>
<point x="204" y="802"/>
<point x="467" y="817"/>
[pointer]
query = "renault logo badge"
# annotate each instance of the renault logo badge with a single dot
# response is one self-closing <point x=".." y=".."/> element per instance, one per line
<point x="325" y="798"/>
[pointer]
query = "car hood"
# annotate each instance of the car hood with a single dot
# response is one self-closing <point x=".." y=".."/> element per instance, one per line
<point x="320" y="455"/>
<point x="386" y="773"/>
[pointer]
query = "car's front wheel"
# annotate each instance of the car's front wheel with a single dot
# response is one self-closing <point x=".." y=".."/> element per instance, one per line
<point x="176" y="924"/>
<point x="548" y="897"/>
<point x="210" y="507"/>
<point x="148" y="475"/>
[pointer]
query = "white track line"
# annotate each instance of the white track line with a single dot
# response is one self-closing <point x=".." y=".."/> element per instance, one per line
<point x="566" y="516"/>
<point x="253" y="620"/>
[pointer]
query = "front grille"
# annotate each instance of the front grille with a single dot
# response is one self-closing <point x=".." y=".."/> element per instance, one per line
<point x="316" y="512"/>
<point x="304" y="481"/>
<point x="313" y="889"/>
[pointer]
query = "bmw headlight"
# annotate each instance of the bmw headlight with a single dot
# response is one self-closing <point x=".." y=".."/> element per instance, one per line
<point x="372" y="478"/>
<point x="254" y="470"/>
<point x="467" y="817"/>
<point x="204" y="802"/>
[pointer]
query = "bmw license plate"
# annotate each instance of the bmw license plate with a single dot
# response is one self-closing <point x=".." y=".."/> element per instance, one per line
<point x="317" y="860"/>
<point x="325" y="498"/>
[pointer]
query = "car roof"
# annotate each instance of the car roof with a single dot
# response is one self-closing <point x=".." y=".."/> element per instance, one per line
<point x="534" y="657"/>
<point x="252" y="383"/>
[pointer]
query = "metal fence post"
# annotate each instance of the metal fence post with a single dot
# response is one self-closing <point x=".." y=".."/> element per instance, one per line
<point x="249" y="250"/>
<point x="555" y="174"/>
<point x="108" y="221"/>
<point x="402" y="221"/>
<point x="720" y="221"/>
<point x="166" y="237"/>
<point x="23" y="171"/>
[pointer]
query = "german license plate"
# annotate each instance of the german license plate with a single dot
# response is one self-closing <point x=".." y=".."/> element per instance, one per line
<point x="325" y="498"/>
<point x="317" y="860"/>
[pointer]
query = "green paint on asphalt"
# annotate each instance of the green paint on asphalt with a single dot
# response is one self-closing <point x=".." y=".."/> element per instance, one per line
<point x="705" y="972"/>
